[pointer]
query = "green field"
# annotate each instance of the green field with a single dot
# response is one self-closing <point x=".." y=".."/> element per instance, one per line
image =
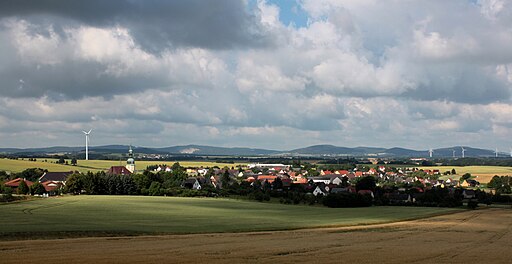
<point x="131" y="215"/>
<point x="96" y="165"/>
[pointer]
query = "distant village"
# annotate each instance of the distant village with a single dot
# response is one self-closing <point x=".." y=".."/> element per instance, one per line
<point x="377" y="185"/>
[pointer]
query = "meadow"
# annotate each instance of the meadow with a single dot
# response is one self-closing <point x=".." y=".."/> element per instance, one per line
<point x="72" y="216"/>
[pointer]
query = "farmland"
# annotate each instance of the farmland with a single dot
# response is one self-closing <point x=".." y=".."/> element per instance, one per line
<point x="469" y="236"/>
<point x="96" y="165"/>
<point x="135" y="215"/>
<point x="482" y="174"/>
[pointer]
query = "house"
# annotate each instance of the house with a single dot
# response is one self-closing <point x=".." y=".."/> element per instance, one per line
<point x="191" y="183"/>
<point x="326" y="179"/>
<point x="162" y="168"/>
<point x="399" y="198"/>
<point x="336" y="180"/>
<point x="341" y="172"/>
<point x="269" y="178"/>
<point x="16" y="182"/>
<point x="468" y="194"/>
<point x="51" y="187"/>
<point x="58" y="177"/>
<point x="321" y="189"/>
<point x="118" y="170"/>
<point x="192" y="172"/>
<point x="215" y="181"/>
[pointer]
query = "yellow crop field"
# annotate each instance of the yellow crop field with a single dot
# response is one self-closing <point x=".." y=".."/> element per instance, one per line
<point x="98" y="165"/>
<point x="483" y="174"/>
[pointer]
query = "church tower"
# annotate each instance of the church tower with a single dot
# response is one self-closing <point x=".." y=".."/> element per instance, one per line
<point x="130" y="162"/>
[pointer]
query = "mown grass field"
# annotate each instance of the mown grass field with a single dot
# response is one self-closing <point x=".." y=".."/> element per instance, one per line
<point x="97" y="165"/>
<point x="131" y="215"/>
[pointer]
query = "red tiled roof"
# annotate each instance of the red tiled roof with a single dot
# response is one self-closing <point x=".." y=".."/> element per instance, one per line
<point x="16" y="182"/>
<point x="269" y="178"/>
<point x="119" y="170"/>
<point x="50" y="185"/>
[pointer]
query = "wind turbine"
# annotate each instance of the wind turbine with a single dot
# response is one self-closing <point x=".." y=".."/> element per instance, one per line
<point x="463" y="151"/>
<point x="453" y="153"/>
<point x="430" y="152"/>
<point x="87" y="144"/>
<point x="496" y="152"/>
<point x="511" y="152"/>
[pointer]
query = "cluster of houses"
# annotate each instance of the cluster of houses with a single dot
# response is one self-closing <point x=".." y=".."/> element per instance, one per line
<point x="51" y="181"/>
<point x="326" y="182"/>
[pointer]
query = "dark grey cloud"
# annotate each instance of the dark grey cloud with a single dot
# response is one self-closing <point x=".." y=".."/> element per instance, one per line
<point x="155" y="24"/>
<point x="461" y="83"/>
<point x="70" y="81"/>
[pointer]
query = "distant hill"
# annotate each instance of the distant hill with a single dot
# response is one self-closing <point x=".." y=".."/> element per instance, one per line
<point x="317" y="150"/>
<point x="219" y="151"/>
<point x="469" y="152"/>
<point x="334" y="150"/>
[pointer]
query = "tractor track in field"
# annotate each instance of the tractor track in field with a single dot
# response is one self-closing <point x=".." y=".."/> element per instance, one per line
<point x="29" y="211"/>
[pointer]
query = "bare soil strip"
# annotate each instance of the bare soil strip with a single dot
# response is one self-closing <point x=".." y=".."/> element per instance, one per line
<point x="480" y="236"/>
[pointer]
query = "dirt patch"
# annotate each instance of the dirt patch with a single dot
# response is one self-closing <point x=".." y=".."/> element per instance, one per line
<point x="472" y="236"/>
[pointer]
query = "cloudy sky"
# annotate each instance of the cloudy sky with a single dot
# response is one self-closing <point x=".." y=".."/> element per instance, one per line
<point x="270" y="74"/>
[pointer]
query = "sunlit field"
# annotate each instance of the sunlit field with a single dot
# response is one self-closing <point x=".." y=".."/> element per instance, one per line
<point x="131" y="215"/>
<point x="97" y="165"/>
<point x="483" y="174"/>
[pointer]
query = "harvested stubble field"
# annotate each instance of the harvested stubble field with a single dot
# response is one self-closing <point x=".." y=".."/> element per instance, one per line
<point x="483" y="174"/>
<point x="480" y="236"/>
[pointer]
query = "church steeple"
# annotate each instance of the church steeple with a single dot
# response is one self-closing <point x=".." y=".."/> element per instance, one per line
<point x="130" y="162"/>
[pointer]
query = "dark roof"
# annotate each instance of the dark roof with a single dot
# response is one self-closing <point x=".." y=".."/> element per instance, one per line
<point x="55" y="176"/>
<point x="119" y="170"/>
<point x="191" y="180"/>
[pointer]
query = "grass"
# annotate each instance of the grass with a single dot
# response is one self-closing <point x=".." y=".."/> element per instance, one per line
<point x="96" y="165"/>
<point x="71" y="216"/>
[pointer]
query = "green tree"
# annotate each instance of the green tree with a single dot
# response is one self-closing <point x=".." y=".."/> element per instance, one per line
<point x="176" y="166"/>
<point x="277" y="184"/>
<point x="23" y="188"/>
<point x="454" y="172"/>
<point x="74" y="183"/>
<point x="73" y="161"/>
<point x="366" y="183"/>
<point x="37" y="188"/>
<point x="155" y="189"/>
<point x="464" y="177"/>
<point x="225" y="179"/>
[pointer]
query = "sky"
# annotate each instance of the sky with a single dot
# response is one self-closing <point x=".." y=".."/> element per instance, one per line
<point x="266" y="74"/>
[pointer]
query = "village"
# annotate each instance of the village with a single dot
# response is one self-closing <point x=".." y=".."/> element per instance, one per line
<point x="368" y="185"/>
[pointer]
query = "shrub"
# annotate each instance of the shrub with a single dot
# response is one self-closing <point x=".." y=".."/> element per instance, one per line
<point x="337" y="200"/>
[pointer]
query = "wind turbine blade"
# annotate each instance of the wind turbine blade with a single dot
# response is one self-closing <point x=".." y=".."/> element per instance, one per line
<point x="89" y="131"/>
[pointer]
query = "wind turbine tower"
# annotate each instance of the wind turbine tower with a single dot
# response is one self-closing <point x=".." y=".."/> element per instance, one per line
<point x="511" y="152"/>
<point x="463" y="151"/>
<point x="496" y="152"/>
<point x="87" y="144"/>
<point x="453" y="153"/>
<point x="430" y="152"/>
